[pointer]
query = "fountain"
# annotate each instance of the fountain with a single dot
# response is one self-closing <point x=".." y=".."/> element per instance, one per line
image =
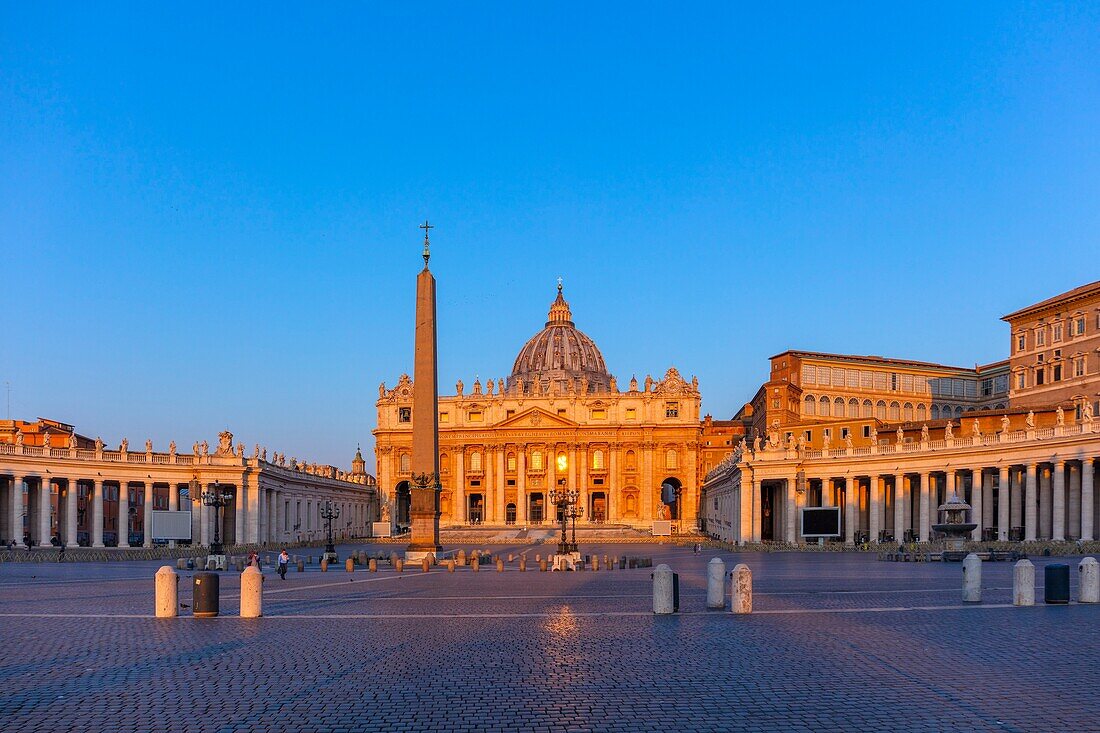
<point x="953" y="515"/>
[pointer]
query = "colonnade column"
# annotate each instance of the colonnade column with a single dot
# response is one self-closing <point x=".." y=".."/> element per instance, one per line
<point x="44" y="512"/>
<point x="1086" y="499"/>
<point x="123" y="524"/>
<point x="15" y="509"/>
<point x="875" y="490"/>
<point x="1016" y="491"/>
<point x="1031" y="482"/>
<point x="754" y="487"/>
<point x="1046" y="516"/>
<point x="489" y="493"/>
<point x="1002" y="503"/>
<point x="501" y="483"/>
<point x="744" y="515"/>
<point x="459" y="510"/>
<point x="988" y="518"/>
<point x="925" y="525"/>
<point x="97" y="513"/>
<point x="239" y="512"/>
<point x="612" y="483"/>
<point x="900" y="502"/>
<point x="792" y="511"/>
<point x="521" y="485"/>
<point x="1073" y="501"/>
<point x="850" y="492"/>
<point x="147" y="512"/>
<point x="976" y="506"/>
<point x="70" y="513"/>
<point x="1058" y="503"/>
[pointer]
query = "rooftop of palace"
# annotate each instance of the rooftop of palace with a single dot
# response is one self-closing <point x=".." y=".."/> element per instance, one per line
<point x="886" y="361"/>
<point x="1078" y="293"/>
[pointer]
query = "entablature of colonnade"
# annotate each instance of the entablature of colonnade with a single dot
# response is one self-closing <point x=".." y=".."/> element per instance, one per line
<point x="1020" y="447"/>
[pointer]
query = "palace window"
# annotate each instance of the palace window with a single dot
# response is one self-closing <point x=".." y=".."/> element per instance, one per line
<point x="907" y="411"/>
<point x="404" y="414"/>
<point x="1079" y="367"/>
<point x="672" y="409"/>
<point x="1040" y="337"/>
<point x="895" y="411"/>
<point x="866" y="379"/>
<point x="823" y="375"/>
<point x="866" y="431"/>
<point x="671" y="459"/>
<point x="880" y="410"/>
<point x="1021" y="342"/>
<point x="1057" y="373"/>
<point x="597" y="459"/>
<point x="476" y="416"/>
<point x="823" y="406"/>
<point x="827" y="433"/>
<point x="809" y="374"/>
<point x="631" y="413"/>
<point x="475" y="461"/>
<point x="906" y="382"/>
<point x="631" y="461"/>
<point x="1057" y="331"/>
<point x="880" y="380"/>
<point x="599" y="414"/>
<point x="838" y="407"/>
<point x="808" y="435"/>
<point x="1021" y="380"/>
<point x="404" y="462"/>
<point x="809" y="405"/>
<point x="1040" y="377"/>
<point x="922" y="412"/>
<point x="868" y="409"/>
<point x="935" y="412"/>
<point x="844" y="433"/>
<point x="511" y="463"/>
<point x="1079" y="326"/>
<point x="444" y="417"/>
<point x="536" y="460"/>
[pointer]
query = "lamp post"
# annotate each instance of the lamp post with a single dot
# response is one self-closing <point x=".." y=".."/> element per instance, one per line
<point x="329" y="512"/>
<point x="216" y="497"/>
<point x="566" y="502"/>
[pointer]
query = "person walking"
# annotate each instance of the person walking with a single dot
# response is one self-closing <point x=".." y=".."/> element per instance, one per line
<point x="284" y="560"/>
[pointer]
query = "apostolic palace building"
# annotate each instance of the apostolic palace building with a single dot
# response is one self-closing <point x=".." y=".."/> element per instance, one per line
<point x="889" y="440"/>
<point x="559" y="419"/>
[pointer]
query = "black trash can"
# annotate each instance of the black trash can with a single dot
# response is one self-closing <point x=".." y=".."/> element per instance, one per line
<point x="205" y="597"/>
<point x="1056" y="583"/>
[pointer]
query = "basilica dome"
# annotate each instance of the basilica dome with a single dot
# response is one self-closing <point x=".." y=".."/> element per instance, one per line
<point x="560" y="358"/>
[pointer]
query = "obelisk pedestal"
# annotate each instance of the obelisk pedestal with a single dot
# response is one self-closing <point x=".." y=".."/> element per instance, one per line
<point x="425" y="487"/>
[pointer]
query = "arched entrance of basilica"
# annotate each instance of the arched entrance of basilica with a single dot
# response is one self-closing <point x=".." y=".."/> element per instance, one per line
<point x="597" y="507"/>
<point x="402" y="504"/>
<point x="475" y="508"/>
<point x="670" y="497"/>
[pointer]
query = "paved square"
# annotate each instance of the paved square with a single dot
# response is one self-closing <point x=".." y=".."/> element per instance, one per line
<point x="837" y="641"/>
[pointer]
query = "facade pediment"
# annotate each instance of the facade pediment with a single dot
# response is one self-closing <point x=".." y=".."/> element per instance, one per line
<point x="537" y="418"/>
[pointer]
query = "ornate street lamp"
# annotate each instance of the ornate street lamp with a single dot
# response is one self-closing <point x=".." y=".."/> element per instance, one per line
<point x="565" y="500"/>
<point x="216" y="497"/>
<point x="329" y="512"/>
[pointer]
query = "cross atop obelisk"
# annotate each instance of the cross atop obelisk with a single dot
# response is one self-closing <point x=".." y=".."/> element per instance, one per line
<point x="424" y="508"/>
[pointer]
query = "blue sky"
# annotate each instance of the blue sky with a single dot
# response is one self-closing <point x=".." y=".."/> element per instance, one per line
<point x="208" y="213"/>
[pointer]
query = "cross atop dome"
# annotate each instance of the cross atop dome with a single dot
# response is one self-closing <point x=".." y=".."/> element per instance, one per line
<point x="559" y="309"/>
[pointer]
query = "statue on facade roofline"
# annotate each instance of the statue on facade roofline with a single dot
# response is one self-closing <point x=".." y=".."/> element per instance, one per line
<point x="1029" y="421"/>
<point x="614" y="386"/>
<point x="924" y="433"/>
<point x="489" y="387"/>
<point x="148" y="446"/>
<point x="172" y="448"/>
<point x="381" y="390"/>
<point x="1061" y="416"/>
<point x="874" y="435"/>
<point x="72" y="440"/>
<point x="204" y="448"/>
<point x="256" y="451"/>
<point x="756" y="444"/>
<point x="976" y="428"/>
<point x="225" y="443"/>
<point x="648" y="383"/>
<point x="99" y="445"/>
<point x="459" y="388"/>
<point x="19" y="438"/>
<point x="948" y="431"/>
<point x="263" y="454"/>
<point x="124" y="446"/>
<point x="1086" y="412"/>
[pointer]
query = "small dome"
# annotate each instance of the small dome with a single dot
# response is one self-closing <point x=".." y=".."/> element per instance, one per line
<point x="560" y="357"/>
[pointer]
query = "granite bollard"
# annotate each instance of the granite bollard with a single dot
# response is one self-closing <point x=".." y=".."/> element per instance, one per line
<point x="1089" y="587"/>
<point x="741" y="589"/>
<point x="716" y="583"/>
<point x="972" y="579"/>
<point x="1023" y="584"/>
<point x="166" y="583"/>
<point x="252" y="593"/>
<point x="663" y="581"/>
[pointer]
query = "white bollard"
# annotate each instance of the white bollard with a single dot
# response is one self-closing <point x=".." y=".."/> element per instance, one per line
<point x="716" y="583"/>
<point x="662" y="590"/>
<point x="1023" y="584"/>
<point x="252" y="593"/>
<point x="1089" y="587"/>
<point x="741" y="589"/>
<point x="167" y="592"/>
<point x="972" y="579"/>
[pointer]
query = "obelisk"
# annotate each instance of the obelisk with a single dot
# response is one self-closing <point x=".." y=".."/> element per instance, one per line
<point x="424" y="508"/>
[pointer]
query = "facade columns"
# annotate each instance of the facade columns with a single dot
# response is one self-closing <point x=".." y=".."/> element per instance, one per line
<point x="612" y="482"/>
<point x="1058" y="503"/>
<point x="521" y="485"/>
<point x="1002" y="503"/>
<point x="1031" y="483"/>
<point x="988" y="518"/>
<point x="97" y="513"/>
<point x="977" y="509"/>
<point x="925" y="524"/>
<point x="792" y="510"/>
<point x="1087" y="528"/>
<point x="500" y="482"/>
<point x="123" y="514"/>
<point x="1016" y="491"/>
<point x="901" y="500"/>
<point x="147" y="513"/>
<point x="1046" y="528"/>
<point x="756" y="518"/>
<point x="489" y="495"/>
<point x="239" y="525"/>
<point x="15" y="509"/>
<point x="460" y="512"/>
<point x="744" y="498"/>
<point x="875" y="491"/>
<point x="1073" y="502"/>
<point x="850" y="493"/>
<point x="70" y="513"/>
<point x="252" y="499"/>
<point x="44" y="535"/>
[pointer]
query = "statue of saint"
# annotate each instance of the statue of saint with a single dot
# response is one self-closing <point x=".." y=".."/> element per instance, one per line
<point x="1061" y="417"/>
<point x="826" y="442"/>
<point x="204" y="448"/>
<point x="148" y="446"/>
<point x="225" y="443"/>
<point x="901" y="435"/>
<point x="172" y="448"/>
<point x="72" y="440"/>
<point x="756" y="444"/>
<point x="1029" y="422"/>
<point x="19" y="441"/>
<point x="948" y="431"/>
<point x="385" y="512"/>
<point x="1004" y="423"/>
<point x="381" y="390"/>
<point x="976" y="428"/>
<point x="124" y="446"/>
<point x="459" y="387"/>
<point x="648" y="383"/>
<point x="256" y="451"/>
<point x="874" y="435"/>
<point x="848" y="440"/>
<point x="99" y="445"/>
<point x="924" y="433"/>
<point x="263" y="454"/>
<point x="1086" y="412"/>
<point x="614" y="386"/>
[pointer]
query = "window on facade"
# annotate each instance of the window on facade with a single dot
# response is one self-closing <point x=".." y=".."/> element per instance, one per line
<point x="880" y="410"/>
<point x="823" y="375"/>
<point x="670" y="459"/>
<point x="894" y="381"/>
<point x="895" y="411"/>
<point x="906" y="382"/>
<point x="1040" y="377"/>
<point x="597" y="459"/>
<point x="809" y="374"/>
<point x="475" y="461"/>
<point x="823" y="406"/>
<point x="536" y="460"/>
<point x="809" y="405"/>
<point x="510" y="462"/>
<point x="839" y="377"/>
<point x="672" y="409"/>
<point x="404" y="414"/>
<point x="1021" y="342"/>
<point x="907" y="412"/>
<point x="1057" y="373"/>
<point x="935" y="412"/>
<point x="1079" y="367"/>
<point x="404" y="462"/>
<point x="808" y="435"/>
<point x="631" y="460"/>
<point x="838" y="407"/>
<point x="444" y="417"/>
<point x="827" y="432"/>
<point x="922" y="412"/>
<point x="844" y="433"/>
<point x="868" y="409"/>
<point x="866" y="431"/>
<point x="880" y="380"/>
<point x="1057" y="331"/>
<point x="853" y="408"/>
<point x="476" y="416"/>
<point x="599" y="414"/>
<point x="1040" y="337"/>
<point x="631" y="413"/>
<point x="1079" y="326"/>
<point x="1021" y="380"/>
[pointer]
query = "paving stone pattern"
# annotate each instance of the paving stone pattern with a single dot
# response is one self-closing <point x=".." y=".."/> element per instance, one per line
<point x="837" y="642"/>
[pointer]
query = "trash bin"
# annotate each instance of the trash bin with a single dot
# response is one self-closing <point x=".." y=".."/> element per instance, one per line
<point x="1056" y="583"/>
<point x="205" y="596"/>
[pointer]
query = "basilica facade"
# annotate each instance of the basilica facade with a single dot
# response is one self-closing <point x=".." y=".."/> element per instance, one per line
<point x="560" y="420"/>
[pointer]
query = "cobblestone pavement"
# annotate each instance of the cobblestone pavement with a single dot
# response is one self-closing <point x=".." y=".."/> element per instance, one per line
<point x="836" y="642"/>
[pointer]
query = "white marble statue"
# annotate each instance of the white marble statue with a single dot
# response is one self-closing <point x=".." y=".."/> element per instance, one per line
<point x="1061" y="417"/>
<point x="1029" y="421"/>
<point x="948" y="431"/>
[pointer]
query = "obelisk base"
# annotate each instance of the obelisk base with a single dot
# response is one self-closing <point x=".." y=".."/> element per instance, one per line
<point x="424" y="521"/>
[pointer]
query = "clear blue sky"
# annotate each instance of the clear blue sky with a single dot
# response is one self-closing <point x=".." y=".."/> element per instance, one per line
<point x="208" y="213"/>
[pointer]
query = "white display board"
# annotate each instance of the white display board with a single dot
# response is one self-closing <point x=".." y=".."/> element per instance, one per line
<point x="662" y="527"/>
<point x="171" y="525"/>
<point x="381" y="529"/>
